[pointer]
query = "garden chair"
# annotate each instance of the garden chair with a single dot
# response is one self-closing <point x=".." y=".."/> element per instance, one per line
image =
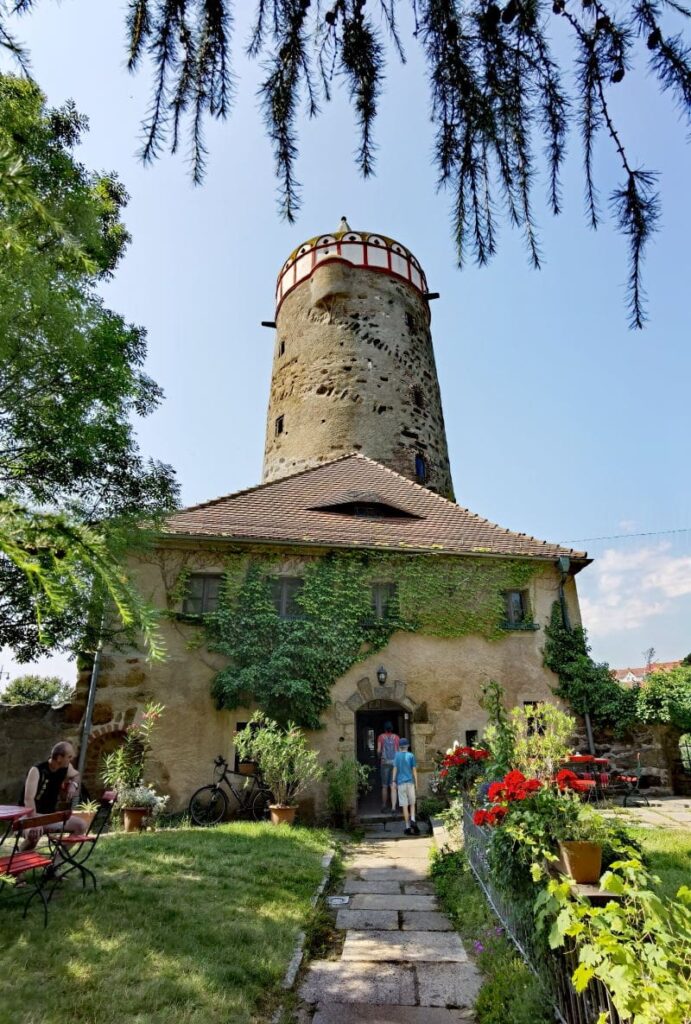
<point x="30" y="870"/>
<point x="632" y="787"/>
<point x="75" y="850"/>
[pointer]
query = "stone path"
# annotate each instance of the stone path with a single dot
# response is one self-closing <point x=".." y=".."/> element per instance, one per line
<point x="666" y="812"/>
<point x="402" y="962"/>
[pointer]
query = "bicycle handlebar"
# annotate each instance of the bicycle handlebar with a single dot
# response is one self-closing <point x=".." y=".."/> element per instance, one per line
<point x="220" y="760"/>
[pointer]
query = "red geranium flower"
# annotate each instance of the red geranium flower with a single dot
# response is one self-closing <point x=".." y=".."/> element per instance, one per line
<point x="566" y="779"/>
<point x="495" y="791"/>
<point x="480" y="818"/>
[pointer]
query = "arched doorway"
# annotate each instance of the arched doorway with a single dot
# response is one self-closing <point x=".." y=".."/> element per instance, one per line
<point x="370" y="720"/>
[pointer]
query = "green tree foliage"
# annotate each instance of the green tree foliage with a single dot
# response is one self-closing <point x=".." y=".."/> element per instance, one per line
<point x="34" y="689"/>
<point x="665" y="698"/>
<point x="72" y="480"/>
<point x="588" y="686"/>
<point x="501" y="90"/>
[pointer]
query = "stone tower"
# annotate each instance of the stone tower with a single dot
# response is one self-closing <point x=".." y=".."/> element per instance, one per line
<point x="353" y="367"/>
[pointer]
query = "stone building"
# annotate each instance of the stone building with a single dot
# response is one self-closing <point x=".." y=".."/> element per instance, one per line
<point x="356" y="464"/>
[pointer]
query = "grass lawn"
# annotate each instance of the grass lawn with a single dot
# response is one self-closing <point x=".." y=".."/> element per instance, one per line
<point x="190" y="926"/>
<point x="669" y="854"/>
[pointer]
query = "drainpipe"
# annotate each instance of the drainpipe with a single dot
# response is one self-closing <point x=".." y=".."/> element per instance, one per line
<point x="564" y="564"/>
<point x="88" y="714"/>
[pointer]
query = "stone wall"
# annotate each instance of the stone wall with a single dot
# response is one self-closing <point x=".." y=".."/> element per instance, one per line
<point x="658" y="746"/>
<point x="354" y="370"/>
<point x="27" y="734"/>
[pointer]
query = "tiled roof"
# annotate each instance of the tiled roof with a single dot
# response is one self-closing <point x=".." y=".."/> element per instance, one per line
<point x="641" y="673"/>
<point x="292" y="510"/>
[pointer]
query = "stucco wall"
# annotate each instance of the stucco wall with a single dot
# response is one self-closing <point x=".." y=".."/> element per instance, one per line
<point x="437" y="680"/>
<point x="357" y="374"/>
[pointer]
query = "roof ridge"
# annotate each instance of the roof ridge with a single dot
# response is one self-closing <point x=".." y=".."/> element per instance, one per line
<point x="266" y="483"/>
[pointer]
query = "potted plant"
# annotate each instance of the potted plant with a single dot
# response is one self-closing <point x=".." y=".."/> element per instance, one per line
<point x="140" y="806"/>
<point x="344" y="779"/>
<point x="287" y="764"/>
<point x="123" y="770"/>
<point x="86" y="812"/>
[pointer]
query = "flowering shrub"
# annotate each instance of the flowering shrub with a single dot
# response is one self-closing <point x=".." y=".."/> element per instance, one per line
<point x="460" y="768"/>
<point x="142" y="796"/>
<point x="124" y="767"/>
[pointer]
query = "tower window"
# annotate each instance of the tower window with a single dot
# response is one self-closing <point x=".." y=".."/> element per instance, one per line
<point x="279" y="425"/>
<point x="417" y="396"/>
<point x="282" y="347"/>
<point x="421" y="469"/>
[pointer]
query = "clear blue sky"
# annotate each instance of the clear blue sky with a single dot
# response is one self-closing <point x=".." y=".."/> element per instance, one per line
<point x="561" y="421"/>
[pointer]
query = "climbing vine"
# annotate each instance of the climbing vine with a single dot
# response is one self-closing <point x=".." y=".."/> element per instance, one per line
<point x="589" y="687"/>
<point x="287" y="666"/>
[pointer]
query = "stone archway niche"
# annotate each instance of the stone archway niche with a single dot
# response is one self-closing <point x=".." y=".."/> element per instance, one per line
<point x="369" y="691"/>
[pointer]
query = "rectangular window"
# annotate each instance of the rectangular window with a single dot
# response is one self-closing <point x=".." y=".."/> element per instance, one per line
<point x="202" y="594"/>
<point x="281" y="348"/>
<point x="383" y="595"/>
<point x="516" y="608"/>
<point x="284" y="591"/>
<point x="470" y="737"/>
<point x="279" y="425"/>
<point x="535" y="725"/>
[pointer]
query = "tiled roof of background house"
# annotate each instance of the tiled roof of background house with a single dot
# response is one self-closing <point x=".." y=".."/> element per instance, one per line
<point x="300" y="509"/>
<point x="640" y="674"/>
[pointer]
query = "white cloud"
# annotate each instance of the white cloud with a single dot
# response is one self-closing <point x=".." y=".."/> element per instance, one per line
<point x="623" y="589"/>
<point x="627" y="525"/>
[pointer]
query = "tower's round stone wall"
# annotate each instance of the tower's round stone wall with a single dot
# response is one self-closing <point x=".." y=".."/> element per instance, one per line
<point x="354" y="370"/>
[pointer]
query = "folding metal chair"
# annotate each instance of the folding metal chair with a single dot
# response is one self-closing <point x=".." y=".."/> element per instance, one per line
<point x="75" y="850"/>
<point x="31" y="867"/>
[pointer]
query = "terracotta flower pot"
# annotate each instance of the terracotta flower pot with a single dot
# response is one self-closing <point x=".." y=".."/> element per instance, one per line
<point x="133" y="818"/>
<point x="282" y="815"/>
<point x="86" y="816"/>
<point x="582" y="860"/>
<point x="247" y="767"/>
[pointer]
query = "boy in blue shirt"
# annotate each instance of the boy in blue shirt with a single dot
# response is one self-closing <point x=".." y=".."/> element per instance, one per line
<point x="405" y="778"/>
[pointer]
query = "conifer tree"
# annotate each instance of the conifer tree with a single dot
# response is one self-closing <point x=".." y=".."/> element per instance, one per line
<point x="501" y="91"/>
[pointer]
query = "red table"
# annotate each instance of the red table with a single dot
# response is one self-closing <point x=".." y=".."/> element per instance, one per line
<point x="10" y="813"/>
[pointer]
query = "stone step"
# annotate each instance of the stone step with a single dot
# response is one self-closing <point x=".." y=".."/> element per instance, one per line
<point x="335" y="981"/>
<point x="386" y="920"/>
<point x="424" y="984"/>
<point x="377" y="886"/>
<point x="424" y="921"/>
<point x="419" y="888"/>
<point x="403" y="946"/>
<point x="396" y="873"/>
<point x="374" y="901"/>
<point x="368" y="1014"/>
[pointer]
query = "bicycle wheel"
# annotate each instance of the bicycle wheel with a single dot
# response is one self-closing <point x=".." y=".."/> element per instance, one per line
<point x="259" y="805"/>
<point x="208" y="806"/>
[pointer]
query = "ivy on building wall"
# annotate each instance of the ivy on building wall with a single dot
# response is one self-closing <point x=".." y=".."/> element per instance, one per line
<point x="288" y="666"/>
<point x="589" y="687"/>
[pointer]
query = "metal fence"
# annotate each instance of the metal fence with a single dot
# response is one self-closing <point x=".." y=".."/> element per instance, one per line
<point x="554" y="968"/>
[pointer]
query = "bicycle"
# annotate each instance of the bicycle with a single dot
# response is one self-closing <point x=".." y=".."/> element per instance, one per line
<point x="210" y="804"/>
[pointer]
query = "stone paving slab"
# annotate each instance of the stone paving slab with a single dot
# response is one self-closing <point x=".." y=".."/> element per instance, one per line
<point x="400" y="874"/>
<point x="380" y="887"/>
<point x="388" y="1015"/>
<point x="407" y="947"/>
<point x="425" y="921"/>
<point x="335" y="981"/>
<point x="371" y="901"/>
<point x="448" y="984"/>
<point x="349" y="917"/>
<point x="418" y="888"/>
<point x="356" y="865"/>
